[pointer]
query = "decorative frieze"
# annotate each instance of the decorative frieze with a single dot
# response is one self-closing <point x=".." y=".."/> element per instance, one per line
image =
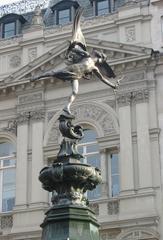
<point x="124" y="100"/>
<point x="109" y="234"/>
<point x="23" y="118"/>
<point x="140" y="96"/>
<point x="30" y="98"/>
<point x="37" y="115"/>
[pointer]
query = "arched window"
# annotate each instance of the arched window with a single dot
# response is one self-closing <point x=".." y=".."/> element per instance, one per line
<point x="7" y="176"/>
<point x="88" y="147"/>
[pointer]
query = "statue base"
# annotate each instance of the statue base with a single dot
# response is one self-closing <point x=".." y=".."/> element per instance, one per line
<point x="70" y="223"/>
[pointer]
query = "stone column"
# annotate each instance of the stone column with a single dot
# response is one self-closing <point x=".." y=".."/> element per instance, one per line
<point x="143" y="139"/>
<point x="126" y="151"/>
<point x="22" y="160"/>
<point x="38" y="196"/>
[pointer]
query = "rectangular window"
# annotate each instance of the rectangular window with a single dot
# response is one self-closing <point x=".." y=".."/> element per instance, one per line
<point x="102" y="7"/>
<point x="115" y="188"/>
<point x="7" y="177"/>
<point x="9" y="30"/>
<point x="64" y="16"/>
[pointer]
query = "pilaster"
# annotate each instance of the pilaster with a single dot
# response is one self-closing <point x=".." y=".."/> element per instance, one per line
<point x="140" y="98"/>
<point x="38" y="196"/>
<point x="126" y="151"/>
<point x="22" y="159"/>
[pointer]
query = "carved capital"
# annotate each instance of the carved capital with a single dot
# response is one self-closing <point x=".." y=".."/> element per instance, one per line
<point x="23" y="118"/>
<point x="38" y="115"/>
<point x="140" y="96"/>
<point x="124" y="100"/>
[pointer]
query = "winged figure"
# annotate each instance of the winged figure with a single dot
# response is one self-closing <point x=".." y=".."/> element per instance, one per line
<point x="80" y="64"/>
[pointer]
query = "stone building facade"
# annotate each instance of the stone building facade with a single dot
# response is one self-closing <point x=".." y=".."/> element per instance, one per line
<point x="123" y="129"/>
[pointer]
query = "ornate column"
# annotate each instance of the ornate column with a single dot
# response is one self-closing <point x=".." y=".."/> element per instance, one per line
<point x="143" y="139"/>
<point x="37" y="122"/>
<point x="22" y="160"/>
<point x="126" y="151"/>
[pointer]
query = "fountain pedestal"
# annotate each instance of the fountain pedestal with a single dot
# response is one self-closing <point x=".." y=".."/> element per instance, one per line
<point x="69" y="218"/>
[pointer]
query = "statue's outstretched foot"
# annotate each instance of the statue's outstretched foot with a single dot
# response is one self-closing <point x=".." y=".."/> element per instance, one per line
<point x="67" y="114"/>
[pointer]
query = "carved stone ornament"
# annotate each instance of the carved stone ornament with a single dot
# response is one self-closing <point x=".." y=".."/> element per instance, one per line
<point x="97" y="114"/>
<point x="32" y="54"/>
<point x="37" y="115"/>
<point x="124" y="100"/>
<point x="23" y="118"/>
<point x="140" y="96"/>
<point x="113" y="207"/>
<point x="15" y="61"/>
<point x="12" y="127"/>
<point x="130" y="33"/>
<point x="109" y="234"/>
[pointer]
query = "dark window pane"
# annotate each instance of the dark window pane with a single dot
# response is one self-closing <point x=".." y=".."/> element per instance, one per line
<point x="114" y="164"/>
<point x="94" y="160"/>
<point x="9" y="162"/>
<point x="89" y="136"/>
<point x="92" y="148"/>
<point x="64" y="16"/>
<point x="9" y="29"/>
<point x="6" y="149"/>
<point x="8" y="204"/>
<point x="102" y="7"/>
<point x="96" y="193"/>
<point x="115" y="185"/>
<point x="8" y="190"/>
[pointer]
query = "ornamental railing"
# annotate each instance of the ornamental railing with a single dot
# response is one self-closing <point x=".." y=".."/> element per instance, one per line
<point x="22" y="6"/>
<point x="6" y="221"/>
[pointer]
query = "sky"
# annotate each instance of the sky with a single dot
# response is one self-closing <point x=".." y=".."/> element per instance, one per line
<point x="3" y="2"/>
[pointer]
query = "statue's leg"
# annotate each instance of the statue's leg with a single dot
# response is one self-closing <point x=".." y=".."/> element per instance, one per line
<point x="75" y="88"/>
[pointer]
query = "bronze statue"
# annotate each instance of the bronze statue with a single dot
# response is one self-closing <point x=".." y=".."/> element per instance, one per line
<point x="81" y="64"/>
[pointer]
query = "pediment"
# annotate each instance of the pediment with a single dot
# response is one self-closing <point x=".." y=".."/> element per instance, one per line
<point x="53" y="59"/>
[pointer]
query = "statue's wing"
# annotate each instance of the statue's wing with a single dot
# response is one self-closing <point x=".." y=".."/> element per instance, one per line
<point x="105" y="70"/>
<point x="77" y="35"/>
